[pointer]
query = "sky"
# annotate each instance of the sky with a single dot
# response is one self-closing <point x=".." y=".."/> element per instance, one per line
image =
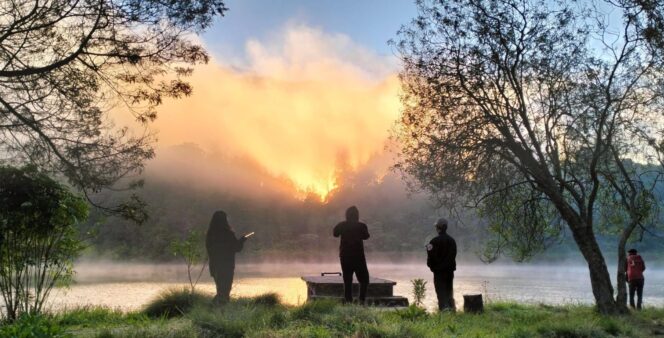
<point x="370" y="23"/>
<point x="303" y="88"/>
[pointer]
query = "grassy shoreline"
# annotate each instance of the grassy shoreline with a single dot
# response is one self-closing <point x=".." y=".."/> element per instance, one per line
<point x="175" y="314"/>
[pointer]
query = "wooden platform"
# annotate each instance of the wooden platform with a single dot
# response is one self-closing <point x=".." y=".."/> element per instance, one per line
<point x="380" y="292"/>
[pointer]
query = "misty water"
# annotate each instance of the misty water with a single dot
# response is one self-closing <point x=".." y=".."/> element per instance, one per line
<point x="130" y="286"/>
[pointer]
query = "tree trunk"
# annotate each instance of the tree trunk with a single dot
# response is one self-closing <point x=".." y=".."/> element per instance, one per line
<point x="473" y="303"/>
<point x="599" y="273"/>
<point x="584" y="237"/>
<point x="621" y="277"/>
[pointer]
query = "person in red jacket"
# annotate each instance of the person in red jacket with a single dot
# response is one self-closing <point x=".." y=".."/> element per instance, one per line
<point x="635" y="268"/>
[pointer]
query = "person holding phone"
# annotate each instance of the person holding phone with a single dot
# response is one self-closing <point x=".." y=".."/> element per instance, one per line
<point x="221" y="245"/>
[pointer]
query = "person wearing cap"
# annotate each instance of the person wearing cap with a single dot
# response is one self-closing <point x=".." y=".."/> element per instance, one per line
<point x="441" y="259"/>
<point x="634" y="270"/>
<point x="353" y="233"/>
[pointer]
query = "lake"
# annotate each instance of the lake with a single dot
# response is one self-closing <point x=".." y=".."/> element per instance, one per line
<point x="129" y="286"/>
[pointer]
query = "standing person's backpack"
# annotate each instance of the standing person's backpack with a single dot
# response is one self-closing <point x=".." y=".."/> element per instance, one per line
<point x="635" y="267"/>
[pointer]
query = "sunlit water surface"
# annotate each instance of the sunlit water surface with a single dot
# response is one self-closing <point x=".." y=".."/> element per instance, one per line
<point x="130" y="286"/>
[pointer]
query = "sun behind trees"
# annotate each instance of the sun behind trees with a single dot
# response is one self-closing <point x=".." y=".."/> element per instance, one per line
<point x="65" y="64"/>
<point x="541" y="116"/>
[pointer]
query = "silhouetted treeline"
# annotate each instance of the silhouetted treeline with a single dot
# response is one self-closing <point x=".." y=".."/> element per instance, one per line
<point x="185" y="185"/>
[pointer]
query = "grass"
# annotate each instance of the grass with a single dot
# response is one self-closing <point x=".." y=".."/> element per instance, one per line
<point x="177" y="314"/>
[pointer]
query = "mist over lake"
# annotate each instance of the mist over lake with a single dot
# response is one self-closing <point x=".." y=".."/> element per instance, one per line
<point x="129" y="286"/>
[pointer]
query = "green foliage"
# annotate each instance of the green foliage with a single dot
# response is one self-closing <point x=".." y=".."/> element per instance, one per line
<point x="419" y="291"/>
<point x="32" y="326"/>
<point x="192" y="251"/>
<point x="39" y="241"/>
<point x="174" y="303"/>
<point x="412" y="312"/>
<point x="522" y="223"/>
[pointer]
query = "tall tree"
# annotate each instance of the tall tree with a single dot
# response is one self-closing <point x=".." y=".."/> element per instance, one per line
<point x="65" y="64"/>
<point x="532" y="112"/>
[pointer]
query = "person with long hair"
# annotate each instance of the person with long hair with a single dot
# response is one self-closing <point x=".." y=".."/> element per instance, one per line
<point x="221" y="245"/>
<point x="351" y="253"/>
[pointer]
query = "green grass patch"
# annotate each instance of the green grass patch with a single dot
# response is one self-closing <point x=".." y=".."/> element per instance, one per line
<point x="266" y="316"/>
<point x="268" y="299"/>
<point x="93" y="315"/>
<point x="313" y="311"/>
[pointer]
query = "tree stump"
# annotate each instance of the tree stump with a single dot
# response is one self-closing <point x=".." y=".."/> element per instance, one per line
<point x="473" y="303"/>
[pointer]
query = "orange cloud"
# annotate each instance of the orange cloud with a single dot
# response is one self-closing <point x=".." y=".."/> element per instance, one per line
<point x="304" y="101"/>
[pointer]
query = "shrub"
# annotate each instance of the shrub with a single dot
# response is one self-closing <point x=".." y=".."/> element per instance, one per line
<point x="174" y="303"/>
<point x="38" y="240"/>
<point x="27" y="326"/>
<point x="192" y="251"/>
<point x="412" y="312"/>
<point x="419" y="291"/>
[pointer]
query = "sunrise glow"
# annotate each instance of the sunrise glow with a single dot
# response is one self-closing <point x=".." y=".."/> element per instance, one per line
<point x="307" y="105"/>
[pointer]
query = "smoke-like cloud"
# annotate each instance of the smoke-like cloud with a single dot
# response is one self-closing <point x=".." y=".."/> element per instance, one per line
<point x="304" y="104"/>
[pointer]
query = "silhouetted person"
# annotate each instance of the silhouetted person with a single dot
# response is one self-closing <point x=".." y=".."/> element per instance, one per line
<point x="222" y="245"/>
<point x="351" y="253"/>
<point x="441" y="259"/>
<point x="635" y="268"/>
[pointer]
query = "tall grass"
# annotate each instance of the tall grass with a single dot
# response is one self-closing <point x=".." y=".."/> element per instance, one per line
<point x="175" y="303"/>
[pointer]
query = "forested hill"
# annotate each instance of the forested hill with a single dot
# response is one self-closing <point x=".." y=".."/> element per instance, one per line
<point x="185" y="185"/>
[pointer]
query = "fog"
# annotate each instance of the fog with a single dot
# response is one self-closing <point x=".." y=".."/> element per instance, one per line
<point x="129" y="286"/>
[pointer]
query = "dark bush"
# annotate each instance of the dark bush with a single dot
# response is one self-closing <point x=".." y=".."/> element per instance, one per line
<point x="174" y="303"/>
